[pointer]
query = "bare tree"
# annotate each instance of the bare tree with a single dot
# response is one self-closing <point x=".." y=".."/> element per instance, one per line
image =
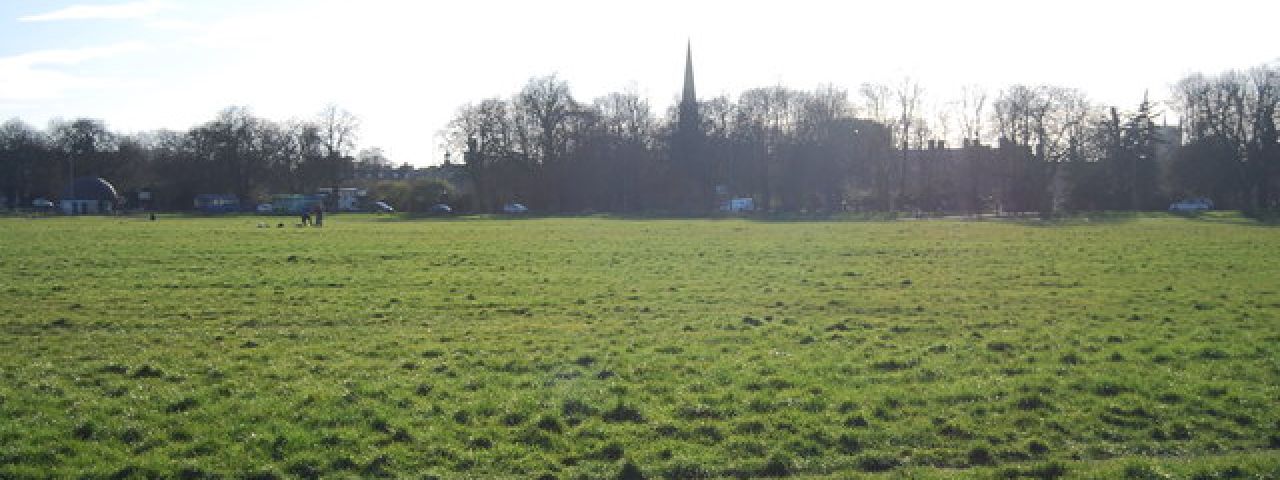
<point x="943" y="121"/>
<point x="486" y="133"/>
<point x="544" y="121"/>
<point x="545" y="106"/>
<point x="27" y="166"/>
<point x="907" y="98"/>
<point x="627" y="115"/>
<point x="767" y="118"/>
<point x="1237" y="112"/>
<point x="875" y="102"/>
<point x="339" y="130"/>
<point x="489" y="123"/>
<point x="373" y="157"/>
<point x="972" y="105"/>
<point x="1039" y="128"/>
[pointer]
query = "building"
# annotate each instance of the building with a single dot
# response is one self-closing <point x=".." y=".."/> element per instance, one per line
<point x="451" y="172"/>
<point x="689" y="115"/>
<point x="344" y="199"/>
<point x="696" y="175"/>
<point x="384" y="172"/>
<point x="215" y="203"/>
<point x="295" y="204"/>
<point x="89" y="195"/>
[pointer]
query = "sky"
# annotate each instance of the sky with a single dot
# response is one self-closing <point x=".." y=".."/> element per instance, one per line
<point x="405" y="67"/>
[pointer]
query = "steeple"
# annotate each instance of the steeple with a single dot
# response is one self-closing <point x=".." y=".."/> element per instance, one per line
<point x="694" y="174"/>
<point x="689" y="97"/>
<point x="688" y="109"/>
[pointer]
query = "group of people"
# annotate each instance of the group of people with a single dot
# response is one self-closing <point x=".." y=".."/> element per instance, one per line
<point x="319" y="218"/>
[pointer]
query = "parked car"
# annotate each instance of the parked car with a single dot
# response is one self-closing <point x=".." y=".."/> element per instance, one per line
<point x="266" y="208"/>
<point x="440" y="209"/>
<point x="515" y="208"/>
<point x="383" y="207"/>
<point x="1191" y="205"/>
<point x="740" y="204"/>
<point x="42" y="204"/>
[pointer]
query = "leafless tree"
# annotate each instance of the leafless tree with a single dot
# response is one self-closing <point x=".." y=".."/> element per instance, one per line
<point x="907" y="96"/>
<point x="943" y="121"/>
<point x="626" y="115"/>
<point x="875" y="102"/>
<point x="373" y="157"/>
<point x="972" y="105"/>
<point x="339" y="130"/>
<point x="1238" y="112"/>
<point x="544" y="108"/>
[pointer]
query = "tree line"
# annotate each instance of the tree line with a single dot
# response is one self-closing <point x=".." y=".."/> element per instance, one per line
<point x="879" y="147"/>
<point x="235" y="153"/>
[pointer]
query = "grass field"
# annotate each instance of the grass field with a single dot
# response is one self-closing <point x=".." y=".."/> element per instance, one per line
<point x="603" y="348"/>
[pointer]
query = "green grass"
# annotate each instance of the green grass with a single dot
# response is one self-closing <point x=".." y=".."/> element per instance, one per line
<point x="589" y="347"/>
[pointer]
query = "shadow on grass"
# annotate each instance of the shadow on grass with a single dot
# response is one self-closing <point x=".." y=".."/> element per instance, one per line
<point x="1104" y="218"/>
<point x="1084" y="219"/>
<point x="1263" y="218"/>
<point x="422" y="217"/>
<point x="759" y="217"/>
<point x="1221" y="217"/>
<point x="774" y="217"/>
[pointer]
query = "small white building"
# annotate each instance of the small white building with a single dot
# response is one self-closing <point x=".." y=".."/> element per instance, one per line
<point x="345" y="199"/>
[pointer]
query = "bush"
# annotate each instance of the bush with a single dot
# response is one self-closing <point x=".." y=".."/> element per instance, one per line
<point x="980" y="456"/>
<point x="630" y="472"/>
<point x="877" y="463"/>
<point x="623" y="413"/>
<point x="550" y="424"/>
<point x="777" y="466"/>
<point x="682" y="470"/>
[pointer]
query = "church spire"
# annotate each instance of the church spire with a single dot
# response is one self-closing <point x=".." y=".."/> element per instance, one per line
<point x="693" y="171"/>
<point x="689" y="98"/>
<point x="689" y="118"/>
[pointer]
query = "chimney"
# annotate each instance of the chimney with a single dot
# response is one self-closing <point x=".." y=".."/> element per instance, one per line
<point x="933" y="145"/>
<point x="942" y="144"/>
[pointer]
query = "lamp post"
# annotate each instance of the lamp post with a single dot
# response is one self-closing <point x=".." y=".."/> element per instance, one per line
<point x="71" y="181"/>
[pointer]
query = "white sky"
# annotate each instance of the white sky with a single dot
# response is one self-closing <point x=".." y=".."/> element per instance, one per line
<point x="404" y="67"/>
